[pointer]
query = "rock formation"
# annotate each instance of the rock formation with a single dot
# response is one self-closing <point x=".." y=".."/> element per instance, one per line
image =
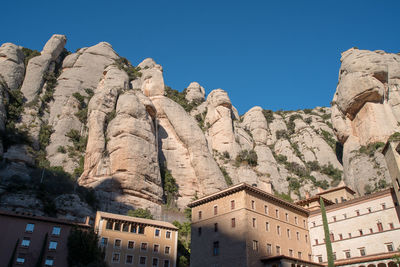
<point x="365" y="113"/>
<point x="122" y="134"/>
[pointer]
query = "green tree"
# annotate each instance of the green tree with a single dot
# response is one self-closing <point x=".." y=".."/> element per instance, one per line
<point x="328" y="243"/>
<point x="83" y="249"/>
<point x="140" y="213"/>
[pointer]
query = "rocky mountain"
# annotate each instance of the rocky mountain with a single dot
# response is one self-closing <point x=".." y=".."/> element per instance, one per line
<point x="88" y="130"/>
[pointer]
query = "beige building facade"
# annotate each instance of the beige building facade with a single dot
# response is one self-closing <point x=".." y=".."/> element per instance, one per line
<point x="245" y="226"/>
<point x="130" y="241"/>
<point x="360" y="228"/>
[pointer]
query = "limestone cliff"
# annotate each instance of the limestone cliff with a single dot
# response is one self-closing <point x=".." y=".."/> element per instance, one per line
<point x="88" y="125"/>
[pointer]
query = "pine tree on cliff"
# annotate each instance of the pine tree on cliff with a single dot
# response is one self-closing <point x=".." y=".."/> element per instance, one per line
<point x="328" y="243"/>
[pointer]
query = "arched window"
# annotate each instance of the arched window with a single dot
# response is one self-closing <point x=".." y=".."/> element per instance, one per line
<point x="392" y="264"/>
<point x="381" y="265"/>
<point x="371" y="265"/>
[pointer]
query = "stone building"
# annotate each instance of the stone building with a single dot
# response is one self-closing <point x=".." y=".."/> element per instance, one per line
<point x="363" y="230"/>
<point x="30" y="240"/>
<point x="245" y="226"/>
<point x="136" y="241"/>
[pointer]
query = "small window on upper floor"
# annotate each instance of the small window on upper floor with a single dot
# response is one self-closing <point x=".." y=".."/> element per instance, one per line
<point x="344" y="216"/>
<point x="342" y="199"/>
<point x="334" y="256"/>
<point x="133" y="228"/>
<point x="336" y="200"/>
<point x="253" y="205"/>
<point x="316" y="241"/>
<point x="380" y="227"/>
<point x="391" y="226"/>
<point x="117" y="226"/>
<point x="277" y="213"/>
<point x="267" y="226"/>
<point x="299" y="254"/>
<point x="383" y="206"/>
<point x="233" y="222"/>
<point x="266" y="209"/>
<point x="53" y="245"/>
<point x="29" y="227"/>
<point x="166" y="250"/>
<point x="334" y="218"/>
<point x="215" y="210"/>
<point x="20" y="259"/>
<point x="26" y="242"/>
<point x="157" y="232"/>
<point x="296" y="220"/>
<point x="304" y="223"/>
<point x="313" y="224"/>
<point x="306" y="238"/>
<point x="49" y="261"/>
<point x="56" y="231"/>
<point x="340" y="236"/>
<point x="168" y="235"/>
<point x="369" y="210"/>
<point x="103" y="241"/>
<point x="286" y="216"/>
<point x="278" y="250"/>
<point x="389" y="247"/>
<point x="125" y="227"/>
<point x="117" y="243"/>
<point x="347" y="254"/>
<point x="215" y="227"/>
<point x="357" y="212"/>
<point x="199" y="231"/>
<point x="255" y="245"/>
<point x="349" y="235"/>
<point x="288" y="233"/>
<point x="215" y="248"/>
<point x="200" y="215"/>
<point x="254" y="222"/>
<point x="143" y="246"/>
<point x="278" y="230"/>
<point x="297" y="235"/>
<point x="361" y="232"/>
<point x="362" y="251"/>
<point x="319" y="258"/>
<point x="141" y="229"/>
<point x="232" y="204"/>
<point x="371" y="231"/>
<point x="109" y="225"/>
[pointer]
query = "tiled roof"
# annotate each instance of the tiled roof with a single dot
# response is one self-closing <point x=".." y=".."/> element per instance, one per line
<point x="29" y="216"/>
<point x="279" y="257"/>
<point x="374" y="257"/>
<point x="126" y="218"/>
<point x="240" y="187"/>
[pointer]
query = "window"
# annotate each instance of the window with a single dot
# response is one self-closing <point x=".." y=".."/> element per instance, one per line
<point x="56" y="231"/>
<point x="125" y="227"/>
<point x="347" y="254"/>
<point x="286" y="217"/>
<point x="29" y="227"/>
<point x="342" y="199"/>
<point x="297" y="235"/>
<point x="334" y="218"/>
<point x="109" y="225"/>
<point x="133" y="228"/>
<point x="49" y="261"/>
<point x="278" y="230"/>
<point x="166" y="250"/>
<point x="369" y="210"/>
<point x="26" y="242"/>
<point x="288" y="233"/>
<point x="344" y="216"/>
<point x="215" y="227"/>
<point x="255" y="245"/>
<point x="360" y="231"/>
<point x="332" y="237"/>
<point x="380" y="227"/>
<point x="349" y="235"/>
<point x="309" y="257"/>
<point x="232" y="204"/>
<point x="166" y="263"/>
<point x="117" y="243"/>
<point x="267" y="226"/>
<point x="319" y="258"/>
<point x="156" y="248"/>
<point x="117" y="226"/>
<point x="336" y="200"/>
<point x="334" y="256"/>
<point x="383" y="206"/>
<point x="199" y="231"/>
<point x="253" y="204"/>
<point x="154" y="262"/>
<point x="143" y="246"/>
<point x="215" y="210"/>
<point x="157" y="233"/>
<point x="357" y="212"/>
<point x="389" y="247"/>
<point x="200" y="213"/>
<point x="340" y="236"/>
<point x="168" y="235"/>
<point x="371" y="231"/>
<point x="269" y="249"/>
<point x="306" y="238"/>
<point x="277" y="213"/>
<point x="131" y="244"/>
<point x="316" y="241"/>
<point x="266" y="209"/>
<point x="313" y="223"/>
<point x="103" y="241"/>
<point x="129" y="259"/>
<point x="391" y="226"/>
<point x="299" y="254"/>
<point x="290" y="252"/>
<point x="216" y="248"/>
<point x="233" y="223"/>
<point x="52" y="245"/>
<point x="362" y="251"/>
<point x="141" y="229"/>
<point x="278" y="250"/>
<point x="142" y="260"/>
<point x="296" y="220"/>
<point x="21" y="259"/>
<point x="304" y="223"/>
<point x="254" y="222"/>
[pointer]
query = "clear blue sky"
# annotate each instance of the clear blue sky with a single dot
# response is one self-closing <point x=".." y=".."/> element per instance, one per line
<point x="275" y="54"/>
